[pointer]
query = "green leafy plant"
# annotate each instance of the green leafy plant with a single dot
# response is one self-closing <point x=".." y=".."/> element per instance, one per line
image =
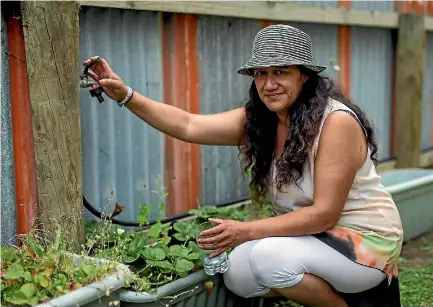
<point x="205" y="212"/>
<point x="156" y="253"/>
<point x="39" y="269"/>
<point x="261" y="206"/>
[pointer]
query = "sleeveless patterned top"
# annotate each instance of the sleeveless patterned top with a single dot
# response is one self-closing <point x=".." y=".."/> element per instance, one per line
<point x="369" y="231"/>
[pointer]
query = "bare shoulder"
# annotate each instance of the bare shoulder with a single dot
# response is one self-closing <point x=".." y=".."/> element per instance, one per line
<point x="343" y="137"/>
<point x="343" y="123"/>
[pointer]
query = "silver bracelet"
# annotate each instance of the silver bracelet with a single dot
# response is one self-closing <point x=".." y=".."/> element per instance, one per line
<point x="126" y="99"/>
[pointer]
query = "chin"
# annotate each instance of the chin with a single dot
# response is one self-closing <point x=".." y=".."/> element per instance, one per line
<point x="277" y="106"/>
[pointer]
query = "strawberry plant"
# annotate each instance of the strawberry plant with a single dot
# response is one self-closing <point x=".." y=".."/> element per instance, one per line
<point x="157" y="253"/>
<point x="38" y="270"/>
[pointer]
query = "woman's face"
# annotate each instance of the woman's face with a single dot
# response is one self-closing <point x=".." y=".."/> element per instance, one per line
<point x="278" y="87"/>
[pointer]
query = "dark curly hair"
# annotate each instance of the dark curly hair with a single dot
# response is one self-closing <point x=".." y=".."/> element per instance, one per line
<point x="305" y="114"/>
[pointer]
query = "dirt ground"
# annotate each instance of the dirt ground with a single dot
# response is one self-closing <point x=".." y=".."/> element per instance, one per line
<point x="418" y="251"/>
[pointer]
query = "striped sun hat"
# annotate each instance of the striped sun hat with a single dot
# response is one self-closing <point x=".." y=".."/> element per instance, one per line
<point x="280" y="45"/>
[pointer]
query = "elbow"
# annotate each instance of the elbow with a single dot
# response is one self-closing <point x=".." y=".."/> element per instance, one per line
<point x="327" y="221"/>
<point x="328" y="225"/>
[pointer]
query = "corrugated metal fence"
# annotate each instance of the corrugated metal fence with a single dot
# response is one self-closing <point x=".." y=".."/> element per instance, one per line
<point x="371" y="80"/>
<point x="123" y="158"/>
<point x="7" y="187"/>
<point x="224" y="44"/>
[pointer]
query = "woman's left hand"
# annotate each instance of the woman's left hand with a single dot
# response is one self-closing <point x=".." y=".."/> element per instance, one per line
<point x="227" y="234"/>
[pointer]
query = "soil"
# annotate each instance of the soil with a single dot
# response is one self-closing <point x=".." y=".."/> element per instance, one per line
<point x="419" y="251"/>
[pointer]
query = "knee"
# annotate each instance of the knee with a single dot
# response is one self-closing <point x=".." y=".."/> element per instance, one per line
<point x="274" y="266"/>
<point x="235" y="281"/>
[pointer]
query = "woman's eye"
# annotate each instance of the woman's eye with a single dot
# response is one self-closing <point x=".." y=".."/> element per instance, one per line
<point x="281" y="72"/>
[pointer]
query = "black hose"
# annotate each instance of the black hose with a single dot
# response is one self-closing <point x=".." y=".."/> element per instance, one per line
<point x="170" y="219"/>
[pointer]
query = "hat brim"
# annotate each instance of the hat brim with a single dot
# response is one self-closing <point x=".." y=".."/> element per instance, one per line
<point x="256" y="62"/>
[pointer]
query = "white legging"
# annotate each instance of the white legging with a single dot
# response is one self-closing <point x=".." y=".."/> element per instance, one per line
<point x="257" y="266"/>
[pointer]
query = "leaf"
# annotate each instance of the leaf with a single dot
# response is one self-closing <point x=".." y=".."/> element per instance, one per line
<point x="143" y="215"/>
<point x="164" y="264"/>
<point x="155" y="253"/>
<point x="48" y="271"/>
<point x="17" y="298"/>
<point x="165" y="229"/>
<point x="183" y="266"/>
<point x="36" y="247"/>
<point x="141" y="219"/>
<point x="165" y="240"/>
<point x="8" y="254"/>
<point x="161" y="207"/>
<point x="128" y="258"/>
<point x="155" y="230"/>
<point x="182" y="227"/>
<point x="33" y="301"/>
<point x="138" y="243"/>
<point x="61" y="279"/>
<point x="193" y="256"/>
<point x="29" y="290"/>
<point x="179" y="236"/>
<point x="43" y="280"/>
<point x="27" y="276"/>
<point x="179" y="251"/>
<point x="15" y="271"/>
<point x="194" y="247"/>
<point x="88" y="269"/>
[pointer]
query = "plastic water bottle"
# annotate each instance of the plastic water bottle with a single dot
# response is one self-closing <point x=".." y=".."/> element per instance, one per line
<point x="217" y="264"/>
<point x="212" y="265"/>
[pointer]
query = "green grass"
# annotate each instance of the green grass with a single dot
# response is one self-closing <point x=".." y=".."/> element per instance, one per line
<point x="416" y="286"/>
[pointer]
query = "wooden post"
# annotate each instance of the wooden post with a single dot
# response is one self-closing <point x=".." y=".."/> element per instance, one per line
<point x="410" y="65"/>
<point x="51" y="31"/>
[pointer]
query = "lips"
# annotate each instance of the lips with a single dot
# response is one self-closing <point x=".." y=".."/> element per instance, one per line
<point x="273" y="96"/>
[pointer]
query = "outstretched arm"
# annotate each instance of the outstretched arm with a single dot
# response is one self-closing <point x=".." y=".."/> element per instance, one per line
<point x="224" y="128"/>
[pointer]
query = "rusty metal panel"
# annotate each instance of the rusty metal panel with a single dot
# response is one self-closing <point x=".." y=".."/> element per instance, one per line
<point x="427" y="112"/>
<point x="371" y="80"/>
<point x="224" y="44"/>
<point x="377" y="5"/>
<point x="7" y="187"/>
<point x="122" y="155"/>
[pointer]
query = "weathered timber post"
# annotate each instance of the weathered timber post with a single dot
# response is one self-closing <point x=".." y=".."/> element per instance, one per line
<point x="51" y="31"/>
<point x="410" y="66"/>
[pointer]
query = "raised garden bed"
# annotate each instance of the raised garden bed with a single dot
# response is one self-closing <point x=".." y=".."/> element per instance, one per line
<point x="100" y="293"/>
<point x="166" y="261"/>
<point x="38" y="272"/>
<point x="196" y="289"/>
<point x="412" y="191"/>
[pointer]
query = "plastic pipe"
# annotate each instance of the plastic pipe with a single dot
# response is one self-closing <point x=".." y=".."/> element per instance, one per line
<point x="22" y="133"/>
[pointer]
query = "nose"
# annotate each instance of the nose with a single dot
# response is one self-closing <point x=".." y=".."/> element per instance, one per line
<point x="270" y="83"/>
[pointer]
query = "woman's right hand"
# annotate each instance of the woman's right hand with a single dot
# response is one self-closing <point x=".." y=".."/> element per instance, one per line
<point x="102" y="73"/>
